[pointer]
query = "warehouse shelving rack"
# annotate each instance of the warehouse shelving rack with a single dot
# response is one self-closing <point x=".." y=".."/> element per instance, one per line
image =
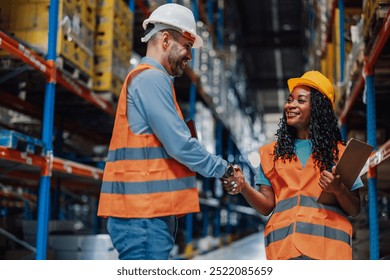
<point x="58" y="166"/>
<point x="42" y="168"/>
<point x="28" y="56"/>
<point x="380" y="155"/>
<point x="379" y="159"/>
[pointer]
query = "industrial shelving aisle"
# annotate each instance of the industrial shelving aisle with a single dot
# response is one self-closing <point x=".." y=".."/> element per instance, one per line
<point x="378" y="163"/>
<point x="38" y="166"/>
<point x="357" y="79"/>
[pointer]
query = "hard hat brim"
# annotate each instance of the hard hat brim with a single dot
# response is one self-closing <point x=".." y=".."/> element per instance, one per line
<point x="198" y="40"/>
<point x="294" y="82"/>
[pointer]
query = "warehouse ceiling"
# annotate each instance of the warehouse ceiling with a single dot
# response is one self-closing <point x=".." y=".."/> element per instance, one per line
<point x="270" y="36"/>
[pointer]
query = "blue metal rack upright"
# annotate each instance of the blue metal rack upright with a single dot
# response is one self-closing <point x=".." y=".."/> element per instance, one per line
<point x="47" y="134"/>
<point x="372" y="180"/>
<point x="343" y="127"/>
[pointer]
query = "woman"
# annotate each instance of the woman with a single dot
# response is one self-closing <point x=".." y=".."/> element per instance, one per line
<point x="295" y="170"/>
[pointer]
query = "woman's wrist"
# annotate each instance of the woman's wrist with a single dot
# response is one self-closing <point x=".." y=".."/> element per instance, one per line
<point x="243" y="185"/>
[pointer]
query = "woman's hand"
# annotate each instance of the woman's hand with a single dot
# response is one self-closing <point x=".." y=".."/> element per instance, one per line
<point x="330" y="182"/>
<point x="349" y="201"/>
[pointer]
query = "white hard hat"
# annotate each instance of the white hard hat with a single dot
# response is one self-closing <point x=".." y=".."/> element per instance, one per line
<point x="176" y="16"/>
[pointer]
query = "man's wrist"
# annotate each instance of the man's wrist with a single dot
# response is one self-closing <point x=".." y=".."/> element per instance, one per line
<point x="229" y="171"/>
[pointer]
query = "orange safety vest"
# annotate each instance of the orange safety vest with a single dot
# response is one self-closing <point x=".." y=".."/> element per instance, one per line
<point x="299" y="225"/>
<point x="140" y="179"/>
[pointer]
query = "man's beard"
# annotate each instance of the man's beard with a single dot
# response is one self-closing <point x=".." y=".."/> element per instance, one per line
<point x="175" y="63"/>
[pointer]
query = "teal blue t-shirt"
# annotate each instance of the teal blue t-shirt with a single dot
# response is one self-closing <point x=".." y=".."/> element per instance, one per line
<point x="303" y="151"/>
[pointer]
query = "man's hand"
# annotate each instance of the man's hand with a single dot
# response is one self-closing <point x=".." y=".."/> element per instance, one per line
<point x="235" y="182"/>
<point x="229" y="172"/>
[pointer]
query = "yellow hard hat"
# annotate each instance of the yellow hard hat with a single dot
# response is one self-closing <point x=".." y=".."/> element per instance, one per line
<point x="315" y="80"/>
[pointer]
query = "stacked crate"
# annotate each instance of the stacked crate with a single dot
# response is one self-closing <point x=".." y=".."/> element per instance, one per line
<point x="113" y="45"/>
<point x="79" y="32"/>
<point x="28" y="21"/>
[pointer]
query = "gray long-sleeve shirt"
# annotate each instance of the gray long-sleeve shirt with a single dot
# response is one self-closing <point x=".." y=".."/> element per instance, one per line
<point x="151" y="109"/>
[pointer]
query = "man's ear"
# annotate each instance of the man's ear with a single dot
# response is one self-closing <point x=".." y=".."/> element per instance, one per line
<point x="166" y="38"/>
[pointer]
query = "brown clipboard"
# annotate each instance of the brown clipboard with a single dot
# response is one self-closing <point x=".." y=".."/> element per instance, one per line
<point x="192" y="128"/>
<point x="349" y="166"/>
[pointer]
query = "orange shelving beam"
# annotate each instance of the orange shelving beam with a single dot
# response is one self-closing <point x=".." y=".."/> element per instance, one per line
<point x="58" y="164"/>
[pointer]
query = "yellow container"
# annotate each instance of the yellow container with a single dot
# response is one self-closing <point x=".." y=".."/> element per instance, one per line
<point x="75" y="42"/>
<point x="85" y="62"/>
<point x="127" y="17"/>
<point x="33" y="16"/>
<point x="67" y="49"/>
<point x="117" y="13"/>
<point x="112" y="30"/>
<point x="106" y="82"/>
<point x="87" y="10"/>
<point x="113" y="62"/>
<point x="112" y="40"/>
<point x="29" y="16"/>
<point x="109" y="20"/>
<point x="108" y="4"/>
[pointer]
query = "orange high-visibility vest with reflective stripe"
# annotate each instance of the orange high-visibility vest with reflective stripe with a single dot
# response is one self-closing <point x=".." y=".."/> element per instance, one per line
<point x="140" y="179"/>
<point x="299" y="224"/>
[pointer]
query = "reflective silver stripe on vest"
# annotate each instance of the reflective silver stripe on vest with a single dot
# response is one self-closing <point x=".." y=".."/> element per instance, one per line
<point x="323" y="231"/>
<point x="279" y="234"/>
<point x="137" y="154"/>
<point x="286" y="204"/>
<point x="310" y="229"/>
<point x="305" y="201"/>
<point x="149" y="187"/>
<point x="308" y="201"/>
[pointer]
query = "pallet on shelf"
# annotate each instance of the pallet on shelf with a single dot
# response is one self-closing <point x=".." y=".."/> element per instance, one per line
<point x="69" y="68"/>
<point x="21" y="142"/>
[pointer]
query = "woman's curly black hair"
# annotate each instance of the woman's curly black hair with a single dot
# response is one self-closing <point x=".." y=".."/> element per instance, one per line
<point x="324" y="134"/>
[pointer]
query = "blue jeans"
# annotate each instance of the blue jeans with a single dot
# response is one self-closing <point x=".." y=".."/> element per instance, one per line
<point x="143" y="239"/>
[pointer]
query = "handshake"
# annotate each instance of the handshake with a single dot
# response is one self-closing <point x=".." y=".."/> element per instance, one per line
<point x="233" y="181"/>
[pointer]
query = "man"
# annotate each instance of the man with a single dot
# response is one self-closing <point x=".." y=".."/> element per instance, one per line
<point x="149" y="177"/>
